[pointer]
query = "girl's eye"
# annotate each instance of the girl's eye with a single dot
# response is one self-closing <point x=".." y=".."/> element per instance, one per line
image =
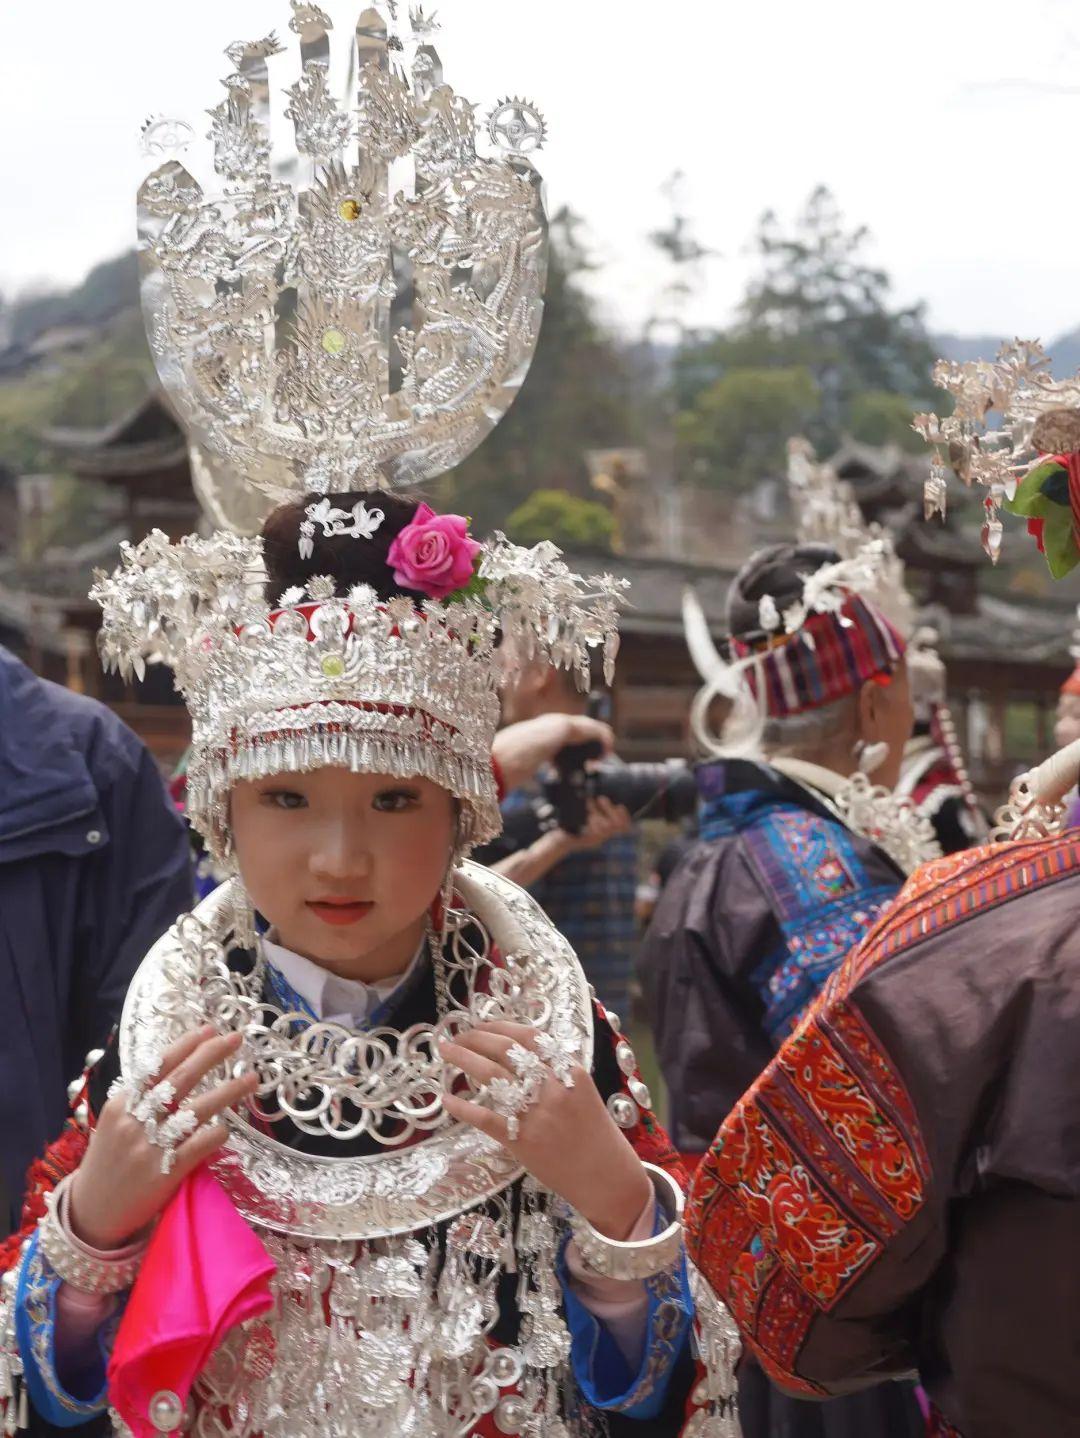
<point x="395" y="801"/>
<point x="284" y="799"/>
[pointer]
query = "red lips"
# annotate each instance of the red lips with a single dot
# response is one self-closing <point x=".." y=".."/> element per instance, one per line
<point x="341" y="911"/>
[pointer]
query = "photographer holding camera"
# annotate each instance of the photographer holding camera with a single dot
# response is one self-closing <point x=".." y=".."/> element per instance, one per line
<point x="574" y="850"/>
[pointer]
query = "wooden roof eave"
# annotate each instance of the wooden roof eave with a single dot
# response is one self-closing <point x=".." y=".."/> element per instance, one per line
<point x="129" y="461"/>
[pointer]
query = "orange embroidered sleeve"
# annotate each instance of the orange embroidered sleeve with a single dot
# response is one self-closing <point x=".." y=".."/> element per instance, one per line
<point x="817" y="1214"/>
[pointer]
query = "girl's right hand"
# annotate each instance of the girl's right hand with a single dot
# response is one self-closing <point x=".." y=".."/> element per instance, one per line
<point x="119" y="1188"/>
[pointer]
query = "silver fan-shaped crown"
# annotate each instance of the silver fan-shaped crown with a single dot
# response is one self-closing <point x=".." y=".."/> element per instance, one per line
<point x="356" y="306"/>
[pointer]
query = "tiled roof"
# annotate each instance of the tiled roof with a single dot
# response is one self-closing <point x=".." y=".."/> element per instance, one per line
<point x="1034" y="633"/>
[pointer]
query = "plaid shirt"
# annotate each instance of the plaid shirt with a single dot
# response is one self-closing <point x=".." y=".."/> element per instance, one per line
<point x="589" y="897"/>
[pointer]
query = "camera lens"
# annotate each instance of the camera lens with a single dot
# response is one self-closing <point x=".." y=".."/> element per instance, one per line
<point x="654" y="791"/>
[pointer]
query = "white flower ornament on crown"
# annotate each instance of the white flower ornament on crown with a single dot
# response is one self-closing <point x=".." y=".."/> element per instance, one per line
<point x="355" y="307"/>
<point x="358" y="523"/>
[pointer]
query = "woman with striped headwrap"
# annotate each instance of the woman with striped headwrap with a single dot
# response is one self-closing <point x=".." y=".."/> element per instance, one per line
<point x="800" y="849"/>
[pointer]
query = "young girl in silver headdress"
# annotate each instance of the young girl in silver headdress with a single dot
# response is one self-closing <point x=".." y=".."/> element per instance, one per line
<point x="365" y="1156"/>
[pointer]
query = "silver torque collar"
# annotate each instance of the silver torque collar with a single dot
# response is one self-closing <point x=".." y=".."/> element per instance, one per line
<point x="393" y="1192"/>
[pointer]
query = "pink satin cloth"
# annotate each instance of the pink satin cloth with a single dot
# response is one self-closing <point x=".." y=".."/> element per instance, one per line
<point x="204" y="1272"/>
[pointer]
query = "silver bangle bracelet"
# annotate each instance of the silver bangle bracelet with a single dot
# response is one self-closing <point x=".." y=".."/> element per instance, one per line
<point x="73" y="1262"/>
<point x="639" y="1258"/>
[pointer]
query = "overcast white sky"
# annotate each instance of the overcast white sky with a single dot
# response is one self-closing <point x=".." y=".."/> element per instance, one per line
<point x="947" y="126"/>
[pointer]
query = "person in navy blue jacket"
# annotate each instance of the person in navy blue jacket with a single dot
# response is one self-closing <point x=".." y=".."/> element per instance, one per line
<point x="94" y="867"/>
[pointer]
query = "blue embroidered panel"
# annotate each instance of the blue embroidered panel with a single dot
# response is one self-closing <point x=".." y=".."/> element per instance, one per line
<point x="602" y="1372"/>
<point x="35" y="1325"/>
<point x="825" y="899"/>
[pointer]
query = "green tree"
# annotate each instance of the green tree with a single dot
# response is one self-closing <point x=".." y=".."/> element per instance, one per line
<point x="736" y="430"/>
<point x="876" y="417"/>
<point x="566" y="520"/>
<point x="817" y="303"/>
<point x="582" y="392"/>
<point x="686" y="258"/>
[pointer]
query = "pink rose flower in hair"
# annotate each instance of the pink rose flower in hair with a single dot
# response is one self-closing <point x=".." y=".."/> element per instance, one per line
<point x="433" y="553"/>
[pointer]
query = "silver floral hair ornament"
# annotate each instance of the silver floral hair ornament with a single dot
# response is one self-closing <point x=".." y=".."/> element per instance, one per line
<point x="355" y="301"/>
<point x="1028" y="464"/>
<point x="357" y="523"/>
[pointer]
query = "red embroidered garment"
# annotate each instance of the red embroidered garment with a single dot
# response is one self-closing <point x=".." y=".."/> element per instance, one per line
<point x="901" y="1187"/>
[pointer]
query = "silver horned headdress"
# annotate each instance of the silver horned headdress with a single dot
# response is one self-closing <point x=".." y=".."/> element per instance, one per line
<point x="354" y="313"/>
<point x="1029" y="465"/>
<point x="826" y="512"/>
<point x="357" y="302"/>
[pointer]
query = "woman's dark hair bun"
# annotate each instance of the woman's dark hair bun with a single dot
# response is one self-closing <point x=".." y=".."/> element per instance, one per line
<point x="778" y="571"/>
<point x="348" y="560"/>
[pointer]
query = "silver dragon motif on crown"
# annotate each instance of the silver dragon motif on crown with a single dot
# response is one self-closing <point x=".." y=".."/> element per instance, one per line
<point x="357" y="307"/>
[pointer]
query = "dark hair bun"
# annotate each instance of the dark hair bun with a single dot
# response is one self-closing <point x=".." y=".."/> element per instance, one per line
<point x="779" y="571"/>
<point x="347" y="559"/>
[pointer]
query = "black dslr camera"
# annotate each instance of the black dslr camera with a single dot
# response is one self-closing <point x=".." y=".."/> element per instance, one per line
<point x="650" y="791"/>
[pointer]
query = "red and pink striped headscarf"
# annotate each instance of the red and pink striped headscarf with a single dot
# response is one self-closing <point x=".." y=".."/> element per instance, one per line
<point x="831" y="656"/>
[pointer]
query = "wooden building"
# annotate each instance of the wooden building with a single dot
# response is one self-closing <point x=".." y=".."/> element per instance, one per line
<point x="141" y="464"/>
<point x="143" y="459"/>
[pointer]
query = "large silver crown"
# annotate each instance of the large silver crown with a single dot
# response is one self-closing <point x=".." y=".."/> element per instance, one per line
<point x="358" y="303"/>
<point x="356" y="312"/>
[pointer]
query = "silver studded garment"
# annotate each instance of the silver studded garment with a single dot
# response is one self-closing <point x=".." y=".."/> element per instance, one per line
<point x="417" y="1286"/>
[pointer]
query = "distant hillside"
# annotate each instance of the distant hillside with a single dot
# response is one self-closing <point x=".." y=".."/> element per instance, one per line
<point x="1066" y="354"/>
<point x="1064" y="351"/>
<point x="108" y="289"/>
<point x="962" y="348"/>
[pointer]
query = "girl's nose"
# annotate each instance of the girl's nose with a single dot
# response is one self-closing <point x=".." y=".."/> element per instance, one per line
<point x="342" y="853"/>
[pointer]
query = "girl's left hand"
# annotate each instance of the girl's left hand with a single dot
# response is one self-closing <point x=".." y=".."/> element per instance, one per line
<point x="566" y="1138"/>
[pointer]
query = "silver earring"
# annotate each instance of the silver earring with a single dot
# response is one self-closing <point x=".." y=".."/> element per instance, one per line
<point x="446" y="898"/>
<point x="438" y="941"/>
<point x="243" y="916"/>
<point x="437" y="945"/>
<point x="453" y="860"/>
<point x="870" y="757"/>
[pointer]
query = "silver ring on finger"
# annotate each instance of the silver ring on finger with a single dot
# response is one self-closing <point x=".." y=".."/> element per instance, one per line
<point x="171" y="1132"/>
<point x="526" y="1064"/>
<point x="509" y="1098"/>
<point x="559" y="1056"/>
<point x="145" y="1104"/>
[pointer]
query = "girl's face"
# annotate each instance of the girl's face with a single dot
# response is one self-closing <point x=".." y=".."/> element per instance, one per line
<point x="344" y="866"/>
